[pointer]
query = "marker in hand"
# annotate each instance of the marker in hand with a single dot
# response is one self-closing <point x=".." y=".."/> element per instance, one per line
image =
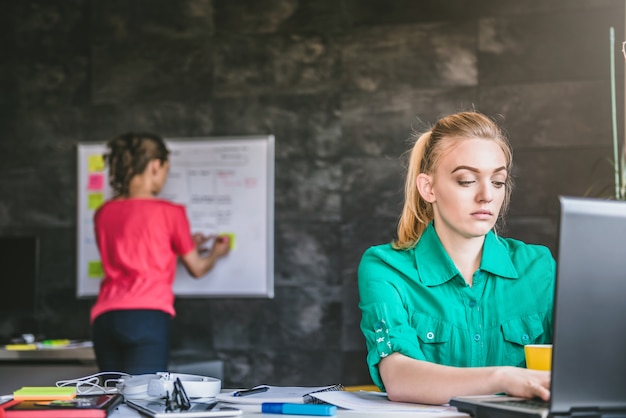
<point x="222" y="243"/>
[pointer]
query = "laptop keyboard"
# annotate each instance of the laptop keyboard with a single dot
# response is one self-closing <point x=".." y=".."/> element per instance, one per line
<point x="526" y="403"/>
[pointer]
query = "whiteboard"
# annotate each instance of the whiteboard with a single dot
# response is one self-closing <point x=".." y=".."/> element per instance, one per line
<point x="227" y="187"/>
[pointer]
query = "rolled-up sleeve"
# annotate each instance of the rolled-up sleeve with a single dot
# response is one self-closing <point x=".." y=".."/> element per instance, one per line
<point x="385" y="321"/>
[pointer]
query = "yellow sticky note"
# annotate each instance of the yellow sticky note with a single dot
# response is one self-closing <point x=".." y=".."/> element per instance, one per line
<point x="20" y="347"/>
<point x="40" y="393"/>
<point x="95" y="200"/>
<point x="95" y="163"/>
<point x="94" y="270"/>
<point x="231" y="238"/>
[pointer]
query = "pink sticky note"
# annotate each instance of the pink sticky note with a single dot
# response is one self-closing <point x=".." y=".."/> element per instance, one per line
<point x="95" y="182"/>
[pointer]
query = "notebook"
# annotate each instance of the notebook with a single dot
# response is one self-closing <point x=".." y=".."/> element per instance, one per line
<point x="589" y="342"/>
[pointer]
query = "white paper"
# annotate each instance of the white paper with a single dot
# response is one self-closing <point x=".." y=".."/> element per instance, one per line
<point x="374" y="401"/>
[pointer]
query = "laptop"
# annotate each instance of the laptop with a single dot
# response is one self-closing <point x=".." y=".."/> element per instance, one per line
<point x="588" y="374"/>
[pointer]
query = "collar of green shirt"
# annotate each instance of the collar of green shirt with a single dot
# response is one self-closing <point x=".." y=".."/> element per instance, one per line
<point x="439" y="267"/>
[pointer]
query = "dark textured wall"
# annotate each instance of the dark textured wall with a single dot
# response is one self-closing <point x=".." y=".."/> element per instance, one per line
<point x="341" y="84"/>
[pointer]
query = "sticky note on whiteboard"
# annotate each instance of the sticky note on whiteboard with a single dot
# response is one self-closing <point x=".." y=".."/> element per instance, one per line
<point x="95" y="200"/>
<point x="95" y="163"/>
<point x="231" y="238"/>
<point x="94" y="270"/>
<point x="95" y="181"/>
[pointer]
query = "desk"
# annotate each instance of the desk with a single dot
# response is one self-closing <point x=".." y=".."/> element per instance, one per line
<point x="124" y="411"/>
<point x="44" y="367"/>
<point x="249" y="411"/>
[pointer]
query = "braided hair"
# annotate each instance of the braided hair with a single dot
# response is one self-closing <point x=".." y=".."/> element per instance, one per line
<point x="129" y="155"/>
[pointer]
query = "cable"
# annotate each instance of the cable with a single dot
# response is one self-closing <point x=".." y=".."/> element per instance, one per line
<point x="92" y="383"/>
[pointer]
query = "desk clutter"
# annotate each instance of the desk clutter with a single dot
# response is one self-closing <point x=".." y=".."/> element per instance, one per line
<point x="28" y="342"/>
<point x="176" y="395"/>
<point x="161" y="384"/>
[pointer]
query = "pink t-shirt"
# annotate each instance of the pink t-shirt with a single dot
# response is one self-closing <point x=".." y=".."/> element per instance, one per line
<point x="139" y="242"/>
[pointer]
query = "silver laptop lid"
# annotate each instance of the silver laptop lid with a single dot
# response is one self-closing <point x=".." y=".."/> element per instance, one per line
<point x="589" y="355"/>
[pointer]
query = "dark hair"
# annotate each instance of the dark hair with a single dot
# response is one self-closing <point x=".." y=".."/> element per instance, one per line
<point x="129" y="155"/>
<point x="424" y="157"/>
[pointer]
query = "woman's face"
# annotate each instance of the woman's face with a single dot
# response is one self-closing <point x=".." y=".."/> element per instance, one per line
<point x="468" y="187"/>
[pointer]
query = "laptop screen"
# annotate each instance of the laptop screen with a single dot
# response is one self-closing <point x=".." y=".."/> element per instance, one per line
<point x="589" y="354"/>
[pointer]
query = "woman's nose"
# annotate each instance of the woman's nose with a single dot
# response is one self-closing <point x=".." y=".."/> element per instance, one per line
<point x="485" y="194"/>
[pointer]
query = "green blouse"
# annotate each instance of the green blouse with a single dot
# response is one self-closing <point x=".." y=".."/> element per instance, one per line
<point x="415" y="302"/>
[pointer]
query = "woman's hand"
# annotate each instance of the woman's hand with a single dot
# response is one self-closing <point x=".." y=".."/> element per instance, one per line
<point x="201" y="260"/>
<point x="199" y="239"/>
<point x="525" y="383"/>
<point x="221" y="246"/>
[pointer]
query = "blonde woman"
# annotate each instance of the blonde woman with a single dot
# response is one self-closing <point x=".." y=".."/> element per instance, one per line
<point x="448" y="306"/>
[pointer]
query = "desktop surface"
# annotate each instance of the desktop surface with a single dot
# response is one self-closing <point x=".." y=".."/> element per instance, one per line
<point x="124" y="411"/>
<point x="254" y="410"/>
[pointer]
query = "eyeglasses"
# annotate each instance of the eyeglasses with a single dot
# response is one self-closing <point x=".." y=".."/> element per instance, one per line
<point x="179" y="401"/>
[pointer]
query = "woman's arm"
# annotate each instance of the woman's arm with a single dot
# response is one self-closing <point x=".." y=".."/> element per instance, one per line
<point x="410" y="380"/>
<point x="198" y="265"/>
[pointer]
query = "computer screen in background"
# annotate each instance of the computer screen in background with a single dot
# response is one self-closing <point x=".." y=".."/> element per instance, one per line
<point x="19" y="271"/>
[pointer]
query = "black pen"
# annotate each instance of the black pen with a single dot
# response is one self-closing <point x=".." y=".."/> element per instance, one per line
<point x="181" y="395"/>
<point x="252" y="391"/>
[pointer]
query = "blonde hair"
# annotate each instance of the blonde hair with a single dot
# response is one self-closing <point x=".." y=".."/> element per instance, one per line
<point x="424" y="157"/>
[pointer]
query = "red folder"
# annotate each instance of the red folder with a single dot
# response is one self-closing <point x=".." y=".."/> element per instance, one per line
<point x="83" y="406"/>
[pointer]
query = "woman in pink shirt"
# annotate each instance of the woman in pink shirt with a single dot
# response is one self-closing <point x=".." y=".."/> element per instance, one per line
<point x="140" y="238"/>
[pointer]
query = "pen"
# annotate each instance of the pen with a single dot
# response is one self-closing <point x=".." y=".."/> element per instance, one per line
<point x="180" y="395"/>
<point x="298" y="409"/>
<point x="252" y="391"/>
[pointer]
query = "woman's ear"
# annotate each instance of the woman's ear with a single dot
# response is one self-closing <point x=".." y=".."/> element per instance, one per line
<point x="424" y="184"/>
<point x="153" y="166"/>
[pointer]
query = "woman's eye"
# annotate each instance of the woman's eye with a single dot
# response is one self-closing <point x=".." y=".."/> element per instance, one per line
<point x="498" y="184"/>
<point x="465" y="182"/>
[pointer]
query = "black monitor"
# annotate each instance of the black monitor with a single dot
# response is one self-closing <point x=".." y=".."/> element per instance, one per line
<point x="19" y="270"/>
